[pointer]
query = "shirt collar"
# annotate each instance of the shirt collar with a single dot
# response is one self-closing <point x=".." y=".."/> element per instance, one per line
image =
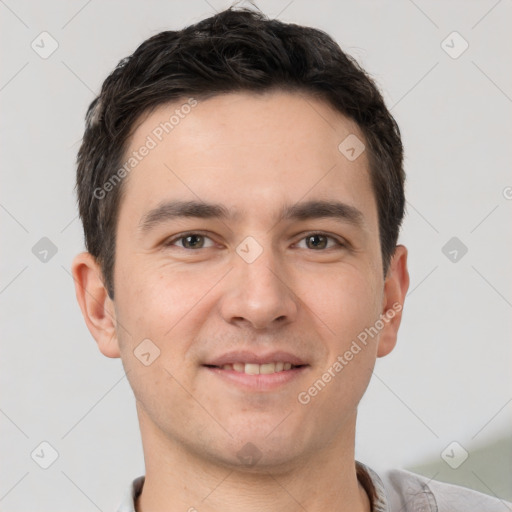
<point x="372" y="484"/>
<point x="374" y="488"/>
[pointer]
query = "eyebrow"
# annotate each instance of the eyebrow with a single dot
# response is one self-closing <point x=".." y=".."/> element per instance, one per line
<point x="300" y="211"/>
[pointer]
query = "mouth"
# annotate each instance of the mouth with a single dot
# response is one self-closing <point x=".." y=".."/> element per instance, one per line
<point x="253" y="372"/>
<point x="258" y="369"/>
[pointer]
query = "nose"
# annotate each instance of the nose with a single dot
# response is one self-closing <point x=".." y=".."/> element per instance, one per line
<point x="259" y="295"/>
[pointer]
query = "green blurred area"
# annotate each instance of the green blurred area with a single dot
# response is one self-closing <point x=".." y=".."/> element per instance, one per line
<point x="487" y="469"/>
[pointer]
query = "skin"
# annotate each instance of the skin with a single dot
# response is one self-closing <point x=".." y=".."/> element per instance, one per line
<point x="253" y="154"/>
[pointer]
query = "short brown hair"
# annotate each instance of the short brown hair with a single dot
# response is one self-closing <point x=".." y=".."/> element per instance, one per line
<point x="235" y="50"/>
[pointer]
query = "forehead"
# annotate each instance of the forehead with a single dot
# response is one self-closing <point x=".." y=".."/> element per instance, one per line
<point x="250" y="152"/>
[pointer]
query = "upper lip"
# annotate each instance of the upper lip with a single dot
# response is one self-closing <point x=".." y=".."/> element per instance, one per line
<point x="244" y="356"/>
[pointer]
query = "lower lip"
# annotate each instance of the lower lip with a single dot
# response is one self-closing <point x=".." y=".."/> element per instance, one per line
<point x="260" y="382"/>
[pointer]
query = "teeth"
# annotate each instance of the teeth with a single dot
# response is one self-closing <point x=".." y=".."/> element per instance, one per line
<point x="252" y="369"/>
<point x="268" y="368"/>
<point x="256" y="369"/>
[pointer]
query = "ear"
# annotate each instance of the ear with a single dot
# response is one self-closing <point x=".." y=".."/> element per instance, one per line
<point x="396" y="285"/>
<point x="97" y="307"/>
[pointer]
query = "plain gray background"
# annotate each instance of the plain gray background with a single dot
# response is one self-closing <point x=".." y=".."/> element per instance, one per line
<point x="447" y="381"/>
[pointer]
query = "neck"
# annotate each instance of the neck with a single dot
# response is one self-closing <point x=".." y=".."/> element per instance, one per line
<point x="178" y="479"/>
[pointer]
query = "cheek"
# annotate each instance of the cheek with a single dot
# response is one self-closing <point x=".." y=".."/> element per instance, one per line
<point x="165" y="304"/>
<point x="345" y="301"/>
<point x="155" y="313"/>
<point x="344" y="307"/>
<point x="152" y="296"/>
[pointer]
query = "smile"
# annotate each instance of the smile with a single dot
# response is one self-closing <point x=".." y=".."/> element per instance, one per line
<point x="258" y="369"/>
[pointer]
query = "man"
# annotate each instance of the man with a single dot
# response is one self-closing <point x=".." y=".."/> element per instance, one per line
<point x="241" y="188"/>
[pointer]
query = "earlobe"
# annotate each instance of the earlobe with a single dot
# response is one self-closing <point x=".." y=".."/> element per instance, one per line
<point x="395" y="290"/>
<point x="97" y="307"/>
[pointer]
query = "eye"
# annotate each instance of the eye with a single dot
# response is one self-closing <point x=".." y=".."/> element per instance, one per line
<point x="320" y="241"/>
<point x="191" y="241"/>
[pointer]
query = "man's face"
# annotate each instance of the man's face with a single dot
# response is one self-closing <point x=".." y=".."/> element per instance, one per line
<point x="251" y="286"/>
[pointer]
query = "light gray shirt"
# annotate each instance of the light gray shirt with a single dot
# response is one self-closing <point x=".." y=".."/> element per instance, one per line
<point x="395" y="490"/>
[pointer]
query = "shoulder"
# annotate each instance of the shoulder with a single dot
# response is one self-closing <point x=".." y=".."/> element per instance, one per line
<point x="408" y="491"/>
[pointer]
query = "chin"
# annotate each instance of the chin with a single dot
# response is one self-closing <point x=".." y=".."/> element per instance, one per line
<point x="255" y="451"/>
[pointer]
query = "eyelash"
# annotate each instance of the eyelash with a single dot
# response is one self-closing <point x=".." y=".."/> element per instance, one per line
<point x="171" y="242"/>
